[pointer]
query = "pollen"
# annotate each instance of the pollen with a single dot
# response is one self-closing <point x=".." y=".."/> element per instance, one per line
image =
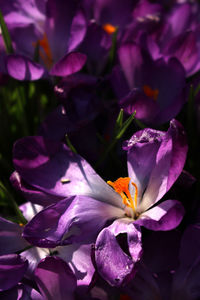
<point x="109" y="28"/>
<point x="121" y="186"/>
<point x="149" y="92"/>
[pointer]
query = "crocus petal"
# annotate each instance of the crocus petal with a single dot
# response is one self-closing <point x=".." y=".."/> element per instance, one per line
<point x="59" y="19"/>
<point x="78" y="30"/>
<point x="117" y="13"/>
<point x="184" y="47"/>
<point x="141" y="71"/>
<point x="179" y="19"/>
<point x="12" y="269"/>
<point x="29" y="210"/>
<point x="131" y="60"/>
<point x="186" y="278"/>
<point x="143" y="286"/>
<point x="170" y="160"/>
<point x="55" y="279"/>
<point x="51" y="167"/>
<point x="11" y="239"/>
<point x="76" y="219"/>
<point x="32" y="194"/>
<point x="155" y="160"/>
<point x="145" y="108"/>
<point x="142" y="149"/>
<point x="69" y="64"/>
<point x="23" y="12"/>
<point x="165" y="216"/>
<point x="20" y="292"/>
<point x="34" y="255"/>
<point x="79" y="259"/>
<point x="22" y="68"/>
<point x="113" y="264"/>
<point x="96" y="45"/>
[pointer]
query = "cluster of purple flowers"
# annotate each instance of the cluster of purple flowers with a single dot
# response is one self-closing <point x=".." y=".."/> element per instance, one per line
<point x="106" y="209"/>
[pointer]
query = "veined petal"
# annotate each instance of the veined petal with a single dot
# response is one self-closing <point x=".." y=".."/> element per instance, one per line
<point x="55" y="279"/>
<point x="155" y="160"/>
<point x="77" y="31"/>
<point x="141" y="157"/>
<point x="69" y="64"/>
<point x="23" y="68"/>
<point x="76" y="219"/>
<point x="51" y="167"/>
<point x="113" y="264"/>
<point x="32" y="194"/>
<point x="165" y="216"/>
<point x="170" y="160"/>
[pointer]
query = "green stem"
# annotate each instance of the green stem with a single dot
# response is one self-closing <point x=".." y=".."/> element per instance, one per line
<point x="18" y="212"/>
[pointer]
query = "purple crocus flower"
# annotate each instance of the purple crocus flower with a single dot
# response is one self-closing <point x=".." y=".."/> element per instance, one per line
<point x="178" y="37"/>
<point x="55" y="279"/>
<point x="110" y="12"/>
<point x="186" y="278"/>
<point x="12" y="269"/>
<point x="75" y="258"/>
<point x="57" y="27"/>
<point x="170" y="266"/>
<point x="155" y="160"/>
<point x="144" y="85"/>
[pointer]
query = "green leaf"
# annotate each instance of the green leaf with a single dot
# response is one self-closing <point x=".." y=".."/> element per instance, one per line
<point x="6" y="35"/>
<point x="117" y="135"/>
<point x="125" y="126"/>
<point x="13" y="204"/>
<point x="140" y="124"/>
<point x="196" y="91"/>
<point x="119" y="121"/>
<point x="69" y="144"/>
<point x="113" y="47"/>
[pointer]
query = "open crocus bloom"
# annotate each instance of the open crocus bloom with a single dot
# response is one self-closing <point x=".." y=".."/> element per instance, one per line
<point x="155" y="160"/>
<point x="55" y="28"/>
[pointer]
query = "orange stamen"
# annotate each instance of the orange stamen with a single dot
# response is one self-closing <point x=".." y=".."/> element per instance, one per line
<point x="121" y="186"/>
<point x="45" y="52"/>
<point x="110" y="29"/>
<point x="149" y="92"/>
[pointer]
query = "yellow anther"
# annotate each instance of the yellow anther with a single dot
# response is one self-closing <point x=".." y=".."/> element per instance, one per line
<point x="121" y="186"/>
<point x="110" y="29"/>
<point x="149" y="92"/>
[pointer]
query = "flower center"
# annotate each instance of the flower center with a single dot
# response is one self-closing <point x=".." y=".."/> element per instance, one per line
<point x="109" y="28"/>
<point x="121" y="186"/>
<point x="149" y="92"/>
<point x="45" y="51"/>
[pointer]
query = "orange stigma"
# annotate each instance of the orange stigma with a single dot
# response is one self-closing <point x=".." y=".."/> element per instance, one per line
<point x="124" y="297"/>
<point x="110" y="29"/>
<point x="149" y="92"/>
<point x="121" y="186"/>
<point x="45" y="51"/>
